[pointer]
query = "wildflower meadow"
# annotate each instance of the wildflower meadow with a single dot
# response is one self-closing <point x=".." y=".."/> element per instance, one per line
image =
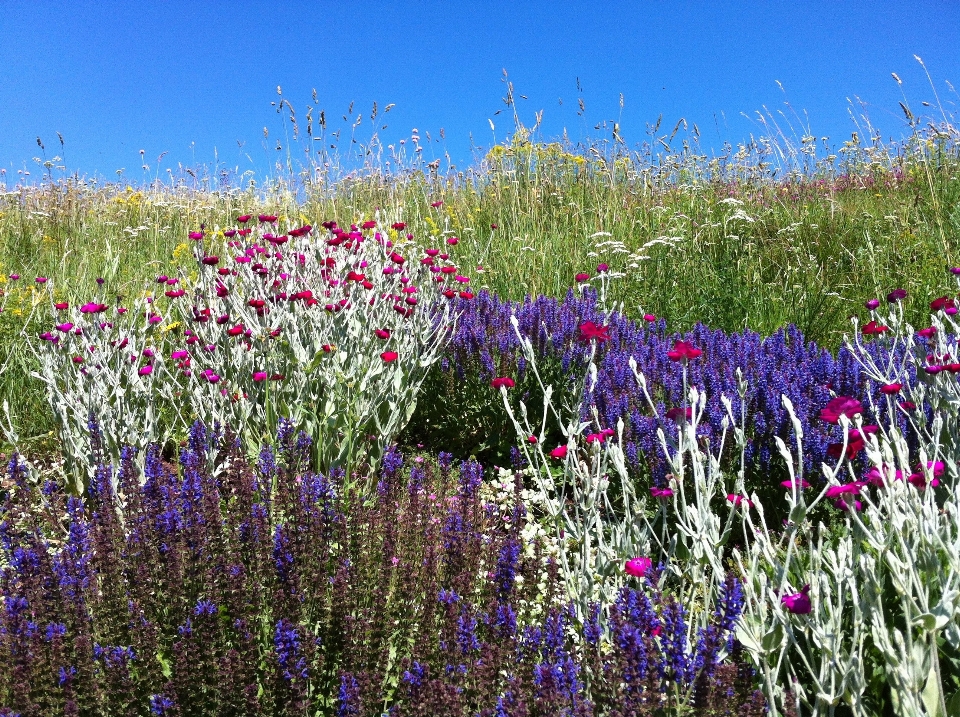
<point x="580" y="431"/>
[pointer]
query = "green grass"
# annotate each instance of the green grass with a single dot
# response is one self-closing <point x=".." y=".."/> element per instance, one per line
<point x="735" y="244"/>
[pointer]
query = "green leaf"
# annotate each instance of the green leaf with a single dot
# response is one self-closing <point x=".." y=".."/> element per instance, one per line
<point x="953" y="705"/>
<point x="798" y="514"/>
<point x="773" y="640"/>
<point x="164" y="665"/>
<point x="931" y="695"/>
<point x="745" y="636"/>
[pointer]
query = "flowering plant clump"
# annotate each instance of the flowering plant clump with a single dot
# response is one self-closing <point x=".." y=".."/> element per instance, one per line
<point x="862" y="614"/>
<point x="563" y="334"/>
<point x="333" y="332"/>
<point x="263" y="590"/>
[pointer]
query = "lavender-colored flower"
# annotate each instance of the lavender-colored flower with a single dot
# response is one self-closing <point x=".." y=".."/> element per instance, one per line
<point x="348" y="699"/>
<point x="286" y="642"/>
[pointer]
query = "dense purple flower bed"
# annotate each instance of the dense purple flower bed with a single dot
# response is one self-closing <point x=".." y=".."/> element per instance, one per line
<point x="784" y="363"/>
<point x="265" y="591"/>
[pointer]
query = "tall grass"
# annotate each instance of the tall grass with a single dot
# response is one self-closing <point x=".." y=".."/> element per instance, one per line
<point x="772" y="232"/>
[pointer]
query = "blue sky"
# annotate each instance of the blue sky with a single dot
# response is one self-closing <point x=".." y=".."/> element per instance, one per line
<point x="195" y="80"/>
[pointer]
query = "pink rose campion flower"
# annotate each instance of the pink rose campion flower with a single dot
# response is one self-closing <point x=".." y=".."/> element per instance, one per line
<point x="798" y="603"/>
<point x="840" y="406"/>
<point x="559" y="452"/>
<point x="638" y="567"/>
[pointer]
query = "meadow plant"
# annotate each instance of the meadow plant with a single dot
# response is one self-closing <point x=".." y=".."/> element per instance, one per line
<point x="867" y="612"/>
<point x="264" y="590"/>
<point x="859" y="611"/>
<point x="334" y="333"/>
<point x="484" y="345"/>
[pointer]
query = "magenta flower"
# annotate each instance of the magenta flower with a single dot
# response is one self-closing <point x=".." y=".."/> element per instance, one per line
<point x="14" y="277"/>
<point x="181" y="354"/>
<point x="244" y="218"/>
<point x="210" y="260"/>
<point x="840" y="406"/>
<point x="798" y="603"/>
<point x="368" y="225"/>
<point x="590" y="331"/>
<point x="682" y="351"/>
<point x="872" y="304"/>
<point x="268" y="218"/>
<point x="382" y="333"/>
<point x="559" y="452"/>
<point x="532" y="440"/>
<point x="174" y="294"/>
<point x="436" y="204"/>
<point x="602" y="268"/>
<point x="259" y="376"/>
<point x="872" y="328"/>
<point x="788" y="484"/>
<point x="927" y="332"/>
<point x="61" y="305"/>
<point x="389" y="356"/>
<point x="896" y="295"/>
<point x="649" y="318"/>
<point x="41" y="280"/>
<point x="92" y="307"/>
<point x="739" y="499"/>
<point x="891" y="388"/>
<point x="661" y="492"/>
<point x="145" y="370"/>
<point x="580" y="278"/>
<point x="503" y="382"/>
<point x="78" y="359"/>
<point x="65" y="327"/>
<point x="638" y="567"/>
<point x="835" y="491"/>
<point x="841" y="504"/>
<point x="678" y="415"/>
<point x="196" y="235"/>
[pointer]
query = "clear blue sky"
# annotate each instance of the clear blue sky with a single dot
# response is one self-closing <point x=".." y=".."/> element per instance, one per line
<point x="194" y="79"/>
